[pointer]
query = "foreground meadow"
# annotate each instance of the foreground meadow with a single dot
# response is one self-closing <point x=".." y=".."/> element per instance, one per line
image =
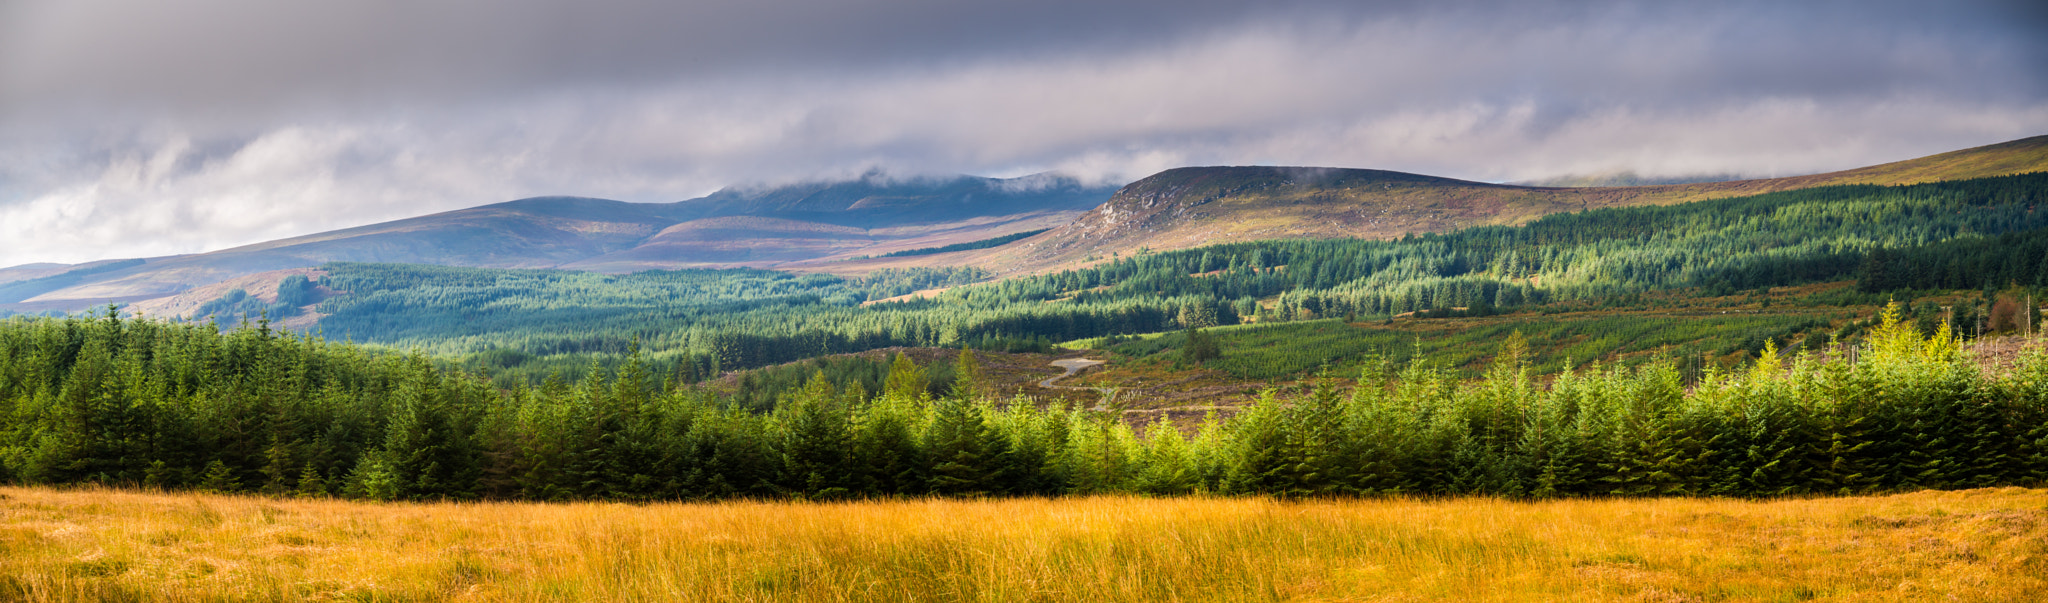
<point x="1975" y="545"/>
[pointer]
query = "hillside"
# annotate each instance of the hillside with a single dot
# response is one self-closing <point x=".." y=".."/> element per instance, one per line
<point x="876" y="201"/>
<point x="1190" y="207"/>
<point x="1973" y="233"/>
<point x="829" y="226"/>
<point x="758" y="227"/>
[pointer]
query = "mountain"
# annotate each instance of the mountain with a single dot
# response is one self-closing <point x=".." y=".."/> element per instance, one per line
<point x="749" y="226"/>
<point x="1625" y="178"/>
<point x="878" y="201"/>
<point x="827" y="226"/>
<point x="831" y="221"/>
<point x="1195" y="206"/>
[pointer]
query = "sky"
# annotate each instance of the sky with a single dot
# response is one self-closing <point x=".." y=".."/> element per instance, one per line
<point x="135" y="128"/>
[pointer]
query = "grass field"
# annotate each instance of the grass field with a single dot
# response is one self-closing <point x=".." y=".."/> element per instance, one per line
<point x="1685" y="326"/>
<point x="1274" y="351"/>
<point x="100" y="545"/>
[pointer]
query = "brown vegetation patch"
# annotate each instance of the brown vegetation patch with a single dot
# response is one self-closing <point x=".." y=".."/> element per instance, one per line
<point x="1997" y="355"/>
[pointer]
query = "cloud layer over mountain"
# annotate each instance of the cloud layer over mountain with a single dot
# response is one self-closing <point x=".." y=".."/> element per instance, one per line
<point x="133" y="128"/>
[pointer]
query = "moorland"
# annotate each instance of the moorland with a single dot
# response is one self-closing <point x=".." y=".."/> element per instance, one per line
<point x="1313" y="384"/>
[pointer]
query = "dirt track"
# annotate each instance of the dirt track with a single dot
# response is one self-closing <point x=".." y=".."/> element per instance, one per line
<point x="1073" y="365"/>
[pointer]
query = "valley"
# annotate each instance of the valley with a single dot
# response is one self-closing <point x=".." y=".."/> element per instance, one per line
<point x="1627" y="341"/>
<point x="844" y="228"/>
<point x="771" y="226"/>
<point x="1004" y="301"/>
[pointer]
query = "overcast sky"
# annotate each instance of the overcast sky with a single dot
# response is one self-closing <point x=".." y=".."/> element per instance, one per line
<point x="140" y="127"/>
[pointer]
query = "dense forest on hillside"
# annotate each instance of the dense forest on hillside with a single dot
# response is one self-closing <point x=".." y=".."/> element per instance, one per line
<point x="693" y="322"/>
<point x="2011" y="258"/>
<point x="1279" y="351"/>
<point x="1723" y="245"/>
<point x="102" y="400"/>
<point x="531" y="323"/>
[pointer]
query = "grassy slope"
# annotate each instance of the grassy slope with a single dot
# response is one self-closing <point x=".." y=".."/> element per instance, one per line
<point x="1256" y="357"/>
<point x="1180" y="208"/>
<point x="792" y="223"/>
<point x="1191" y="207"/>
<point x="1980" y="545"/>
<point x="1010" y="374"/>
<point x="1671" y="326"/>
<point x="262" y="286"/>
<point x="1668" y="326"/>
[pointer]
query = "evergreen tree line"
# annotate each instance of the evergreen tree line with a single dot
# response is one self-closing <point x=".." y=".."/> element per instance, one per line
<point x="236" y="306"/>
<point x="703" y="322"/>
<point x="1997" y="262"/>
<point x="103" y="400"/>
<point x="968" y="246"/>
<point x="692" y="323"/>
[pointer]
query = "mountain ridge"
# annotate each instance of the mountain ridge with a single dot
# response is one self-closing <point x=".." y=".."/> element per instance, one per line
<point x="870" y="215"/>
<point x="825" y="226"/>
<point x="1193" y="206"/>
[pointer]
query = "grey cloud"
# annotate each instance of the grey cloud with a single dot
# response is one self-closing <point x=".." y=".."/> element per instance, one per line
<point x="204" y="54"/>
<point x="139" y="128"/>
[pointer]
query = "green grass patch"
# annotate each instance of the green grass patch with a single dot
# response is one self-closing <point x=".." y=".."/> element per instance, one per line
<point x="1294" y="349"/>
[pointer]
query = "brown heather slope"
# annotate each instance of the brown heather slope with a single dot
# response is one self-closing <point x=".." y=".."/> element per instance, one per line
<point x="262" y="286"/>
<point x="1196" y="206"/>
<point x="757" y="227"/>
<point x="818" y="227"/>
<point x="33" y="271"/>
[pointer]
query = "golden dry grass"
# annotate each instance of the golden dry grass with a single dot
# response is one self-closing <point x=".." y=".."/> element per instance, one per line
<point x="1982" y="545"/>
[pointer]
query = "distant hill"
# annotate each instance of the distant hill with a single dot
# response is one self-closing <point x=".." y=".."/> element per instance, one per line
<point x="743" y="226"/>
<point x="1190" y="207"/>
<point x="1624" y="179"/>
<point x="822" y="226"/>
<point x="878" y="201"/>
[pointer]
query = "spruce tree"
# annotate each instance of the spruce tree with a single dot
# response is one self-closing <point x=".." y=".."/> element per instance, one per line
<point x="889" y="460"/>
<point x="906" y="380"/>
<point x="963" y="452"/>
<point x="1169" y="464"/>
<point x="817" y="444"/>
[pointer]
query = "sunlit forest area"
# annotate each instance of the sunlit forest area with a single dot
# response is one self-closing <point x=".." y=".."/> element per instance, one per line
<point x="552" y="385"/>
<point x="102" y="400"/>
<point x="527" y="324"/>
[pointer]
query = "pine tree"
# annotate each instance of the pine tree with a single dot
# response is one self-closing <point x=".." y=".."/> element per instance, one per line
<point x="906" y="380"/>
<point x="311" y="483"/>
<point x="1259" y="449"/>
<point x="1169" y="464"/>
<point x="817" y="442"/>
<point x="889" y="460"/>
<point x="426" y="452"/>
<point x="1199" y="346"/>
<point x="970" y="381"/>
<point x="964" y="453"/>
<point x="219" y="479"/>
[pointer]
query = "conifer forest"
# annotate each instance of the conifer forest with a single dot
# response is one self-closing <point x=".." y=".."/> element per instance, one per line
<point x="107" y="398"/>
<point x="1979" y="234"/>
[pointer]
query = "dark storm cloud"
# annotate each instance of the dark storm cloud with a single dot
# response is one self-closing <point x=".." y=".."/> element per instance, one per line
<point x="132" y="127"/>
<point x="205" y="54"/>
<point x="213" y="52"/>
